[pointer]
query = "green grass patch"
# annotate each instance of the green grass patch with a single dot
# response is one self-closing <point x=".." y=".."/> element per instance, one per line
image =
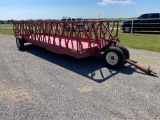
<point x="6" y="29"/>
<point x="146" y="41"/>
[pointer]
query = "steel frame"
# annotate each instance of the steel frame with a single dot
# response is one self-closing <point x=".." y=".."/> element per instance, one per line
<point x="44" y="31"/>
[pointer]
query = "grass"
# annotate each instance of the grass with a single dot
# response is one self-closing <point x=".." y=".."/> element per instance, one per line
<point x="6" y="29"/>
<point x="146" y="40"/>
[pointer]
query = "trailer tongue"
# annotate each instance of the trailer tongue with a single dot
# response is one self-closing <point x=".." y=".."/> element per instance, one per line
<point x="147" y="71"/>
<point x="78" y="39"/>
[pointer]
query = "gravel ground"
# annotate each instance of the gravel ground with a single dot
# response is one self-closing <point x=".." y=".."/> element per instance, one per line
<point x="39" y="85"/>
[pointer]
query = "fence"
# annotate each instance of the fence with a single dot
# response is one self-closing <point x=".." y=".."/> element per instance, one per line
<point x="140" y="25"/>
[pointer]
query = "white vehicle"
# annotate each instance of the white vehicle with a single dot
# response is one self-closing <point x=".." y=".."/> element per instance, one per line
<point x="79" y="24"/>
<point x="71" y="19"/>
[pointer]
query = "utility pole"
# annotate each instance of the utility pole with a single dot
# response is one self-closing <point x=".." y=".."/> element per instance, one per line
<point x="99" y="16"/>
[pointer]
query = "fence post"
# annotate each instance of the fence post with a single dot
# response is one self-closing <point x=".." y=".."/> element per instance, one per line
<point x="132" y="27"/>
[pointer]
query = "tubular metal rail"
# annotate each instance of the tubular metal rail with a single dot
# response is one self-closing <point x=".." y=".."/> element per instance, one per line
<point x="71" y="38"/>
<point x="76" y="38"/>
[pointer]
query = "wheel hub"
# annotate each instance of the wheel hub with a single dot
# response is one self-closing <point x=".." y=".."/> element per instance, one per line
<point x="112" y="58"/>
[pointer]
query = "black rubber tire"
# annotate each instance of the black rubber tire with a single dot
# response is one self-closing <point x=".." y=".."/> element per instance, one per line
<point x="20" y="43"/>
<point x="125" y="51"/>
<point x="114" y="58"/>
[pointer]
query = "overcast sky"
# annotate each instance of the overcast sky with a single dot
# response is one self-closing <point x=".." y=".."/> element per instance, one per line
<point x="56" y="9"/>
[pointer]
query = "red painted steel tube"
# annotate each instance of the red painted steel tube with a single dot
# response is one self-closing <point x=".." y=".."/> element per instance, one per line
<point x="147" y="71"/>
<point x="79" y="38"/>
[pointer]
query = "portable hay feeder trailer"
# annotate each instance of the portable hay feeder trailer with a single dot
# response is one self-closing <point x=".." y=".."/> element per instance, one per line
<point x="78" y="39"/>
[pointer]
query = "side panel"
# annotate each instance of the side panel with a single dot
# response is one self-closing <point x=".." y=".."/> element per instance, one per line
<point x="93" y="51"/>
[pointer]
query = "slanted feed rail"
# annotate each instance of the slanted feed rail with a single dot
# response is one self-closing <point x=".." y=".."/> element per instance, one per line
<point x="78" y="39"/>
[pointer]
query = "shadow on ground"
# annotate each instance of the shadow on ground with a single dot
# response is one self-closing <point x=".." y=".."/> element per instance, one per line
<point x="90" y="67"/>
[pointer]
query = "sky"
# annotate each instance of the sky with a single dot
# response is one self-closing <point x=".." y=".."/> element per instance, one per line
<point x="56" y="9"/>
